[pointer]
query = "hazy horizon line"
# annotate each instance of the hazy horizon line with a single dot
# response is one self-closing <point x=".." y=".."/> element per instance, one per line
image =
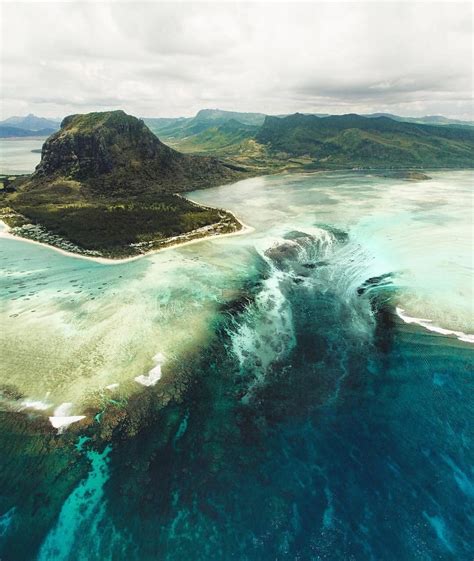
<point x="273" y="114"/>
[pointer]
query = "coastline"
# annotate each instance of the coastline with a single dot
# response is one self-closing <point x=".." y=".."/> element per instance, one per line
<point x="172" y="243"/>
<point x="429" y="326"/>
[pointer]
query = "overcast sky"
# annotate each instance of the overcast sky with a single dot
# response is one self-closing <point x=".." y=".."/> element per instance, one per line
<point x="171" y="59"/>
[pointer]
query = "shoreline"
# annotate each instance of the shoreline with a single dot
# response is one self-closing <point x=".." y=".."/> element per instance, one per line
<point x="245" y="229"/>
<point x="120" y="260"/>
<point x="428" y="325"/>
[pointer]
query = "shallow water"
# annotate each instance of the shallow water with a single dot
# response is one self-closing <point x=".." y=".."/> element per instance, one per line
<point x="16" y="155"/>
<point x="309" y="421"/>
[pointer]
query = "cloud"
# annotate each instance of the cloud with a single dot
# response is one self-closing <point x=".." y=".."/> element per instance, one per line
<point x="170" y="59"/>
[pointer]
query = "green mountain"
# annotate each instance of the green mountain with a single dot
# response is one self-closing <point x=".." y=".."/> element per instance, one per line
<point x="114" y="153"/>
<point x="159" y="124"/>
<point x="7" y="131"/>
<point x="221" y="139"/>
<point x="319" y="140"/>
<point x="229" y="135"/>
<point x="222" y="116"/>
<point x="106" y="183"/>
<point x="205" y="119"/>
<point x="427" y="120"/>
<point x="356" y="141"/>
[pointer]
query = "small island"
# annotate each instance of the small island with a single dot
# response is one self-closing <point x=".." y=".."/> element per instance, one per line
<point x="107" y="187"/>
<point x="406" y="175"/>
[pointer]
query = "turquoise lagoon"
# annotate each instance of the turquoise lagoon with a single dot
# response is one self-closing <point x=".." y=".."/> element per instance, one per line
<point x="304" y="390"/>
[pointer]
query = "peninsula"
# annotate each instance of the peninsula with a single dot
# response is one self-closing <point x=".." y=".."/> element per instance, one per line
<point x="106" y="186"/>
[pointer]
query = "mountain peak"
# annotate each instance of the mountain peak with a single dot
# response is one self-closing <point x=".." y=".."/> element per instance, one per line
<point x="223" y="115"/>
<point x="112" y="152"/>
<point x="89" y="121"/>
<point x="90" y="145"/>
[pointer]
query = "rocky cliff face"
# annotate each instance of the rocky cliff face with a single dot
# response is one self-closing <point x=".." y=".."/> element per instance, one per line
<point x="90" y="145"/>
<point x="113" y="152"/>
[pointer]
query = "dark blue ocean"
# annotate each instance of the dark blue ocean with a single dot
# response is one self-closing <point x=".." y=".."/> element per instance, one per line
<point x="310" y="423"/>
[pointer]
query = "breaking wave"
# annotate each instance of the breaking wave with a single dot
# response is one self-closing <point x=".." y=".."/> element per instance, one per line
<point x="319" y="272"/>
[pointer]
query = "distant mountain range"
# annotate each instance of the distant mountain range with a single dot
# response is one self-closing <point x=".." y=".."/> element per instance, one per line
<point x="179" y="128"/>
<point x="428" y="120"/>
<point x="205" y="118"/>
<point x="262" y="143"/>
<point x="31" y="125"/>
<point x="220" y="115"/>
<point x="107" y="184"/>
<point x="14" y="132"/>
<point x="347" y="141"/>
<point x="321" y="141"/>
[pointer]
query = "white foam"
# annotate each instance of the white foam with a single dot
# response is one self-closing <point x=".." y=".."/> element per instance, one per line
<point x="63" y="422"/>
<point x="112" y="387"/>
<point x="155" y="373"/>
<point x="63" y="409"/>
<point x="60" y="420"/>
<point x="428" y="324"/>
<point x="35" y="404"/>
<point x="159" y="358"/>
<point x="267" y="334"/>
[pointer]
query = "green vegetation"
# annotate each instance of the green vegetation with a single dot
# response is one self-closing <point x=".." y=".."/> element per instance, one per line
<point x="6" y="182"/>
<point x="105" y="186"/>
<point x="119" y="227"/>
<point x="428" y="120"/>
<point x="227" y="135"/>
<point x="115" y="154"/>
<point x="205" y="119"/>
<point x="224" y="139"/>
<point x="349" y="141"/>
<point x="322" y="142"/>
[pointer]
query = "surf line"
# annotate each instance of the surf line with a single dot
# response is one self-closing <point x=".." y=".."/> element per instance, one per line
<point x="428" y="324"/>
<point x="155" y="373"/>
<point x="62" y="418"/>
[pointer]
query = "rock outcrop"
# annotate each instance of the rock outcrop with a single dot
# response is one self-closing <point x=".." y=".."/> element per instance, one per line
<point x="114" y="153"/>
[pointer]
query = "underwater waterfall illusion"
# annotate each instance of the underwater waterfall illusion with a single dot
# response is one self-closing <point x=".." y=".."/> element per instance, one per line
<point x="302" y="409"/>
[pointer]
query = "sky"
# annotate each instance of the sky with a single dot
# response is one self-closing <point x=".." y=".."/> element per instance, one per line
<point x="160" y="59"/>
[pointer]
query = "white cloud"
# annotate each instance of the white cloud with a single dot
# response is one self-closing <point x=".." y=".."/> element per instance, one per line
<point x="165" y="59"/>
